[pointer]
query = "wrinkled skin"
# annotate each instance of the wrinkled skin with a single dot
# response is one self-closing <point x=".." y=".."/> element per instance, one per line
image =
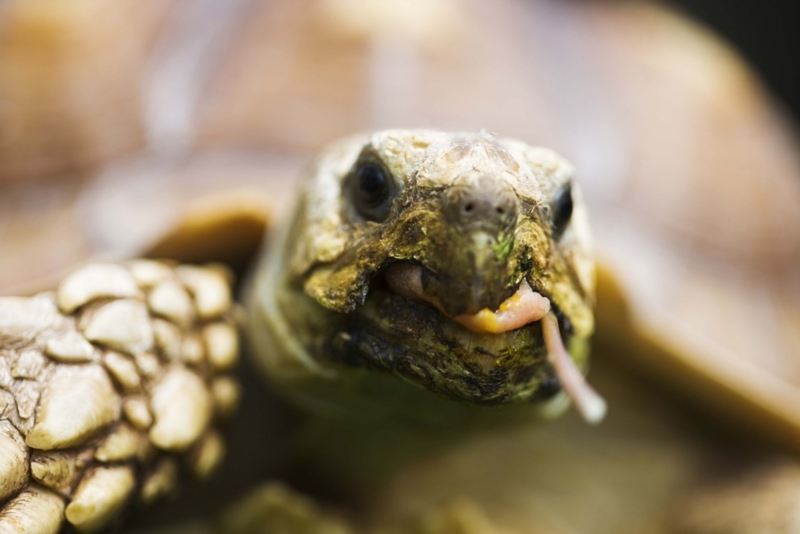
<point x="475" y="213"/>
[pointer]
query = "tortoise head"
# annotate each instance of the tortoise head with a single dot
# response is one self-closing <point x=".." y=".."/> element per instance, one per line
<point x="400" y="235"/>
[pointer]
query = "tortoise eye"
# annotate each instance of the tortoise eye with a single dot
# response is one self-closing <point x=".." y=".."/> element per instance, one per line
<point x="371" y="189"/>
<point x="561" y="210"/>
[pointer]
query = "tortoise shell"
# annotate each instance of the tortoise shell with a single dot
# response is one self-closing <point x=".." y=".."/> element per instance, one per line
<point x="689" y="170"/>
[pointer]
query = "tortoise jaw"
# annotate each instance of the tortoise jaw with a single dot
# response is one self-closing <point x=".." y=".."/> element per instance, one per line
<point x="524" y="306"/>
<point x="402" y="330"/>
<point x="392" y="333"/>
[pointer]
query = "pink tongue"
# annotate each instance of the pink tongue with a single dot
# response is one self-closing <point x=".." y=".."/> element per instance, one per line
<point x="591" y="406"/>
<point x="523" y="307"/>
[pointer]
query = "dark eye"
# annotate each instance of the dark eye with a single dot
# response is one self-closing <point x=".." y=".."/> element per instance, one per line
<point x="371" y="189"/>
<point x="561" y="210"/>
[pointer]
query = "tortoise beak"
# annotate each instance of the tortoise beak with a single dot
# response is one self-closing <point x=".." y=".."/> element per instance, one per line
<point x="480" y="212"/>
<point x="474" y="278"/>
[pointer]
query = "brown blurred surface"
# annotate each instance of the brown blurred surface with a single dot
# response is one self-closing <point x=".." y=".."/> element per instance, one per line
<point x="70" y="76"/>
<point x="120" y="120"/>
<point x="691" y="172"/>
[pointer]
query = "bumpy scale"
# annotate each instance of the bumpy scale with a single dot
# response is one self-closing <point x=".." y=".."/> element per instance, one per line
<point x="107" y="385"/>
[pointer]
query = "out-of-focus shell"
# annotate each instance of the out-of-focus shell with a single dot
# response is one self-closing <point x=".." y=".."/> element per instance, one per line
<point x="698" y="222"/>
<point x="690" y="172"/>
<point x="70" y="76"/>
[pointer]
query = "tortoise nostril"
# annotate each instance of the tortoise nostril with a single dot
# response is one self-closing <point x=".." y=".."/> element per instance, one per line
<point x="480" y="202"/>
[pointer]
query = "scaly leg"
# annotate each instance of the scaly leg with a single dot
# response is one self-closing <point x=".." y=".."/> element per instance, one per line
<point x="276" y="509"/>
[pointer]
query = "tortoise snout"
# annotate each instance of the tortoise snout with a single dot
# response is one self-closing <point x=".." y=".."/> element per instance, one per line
<point x="483" y="203"/>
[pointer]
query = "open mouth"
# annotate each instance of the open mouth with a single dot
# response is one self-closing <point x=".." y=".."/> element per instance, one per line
<point x="525" y="306"/>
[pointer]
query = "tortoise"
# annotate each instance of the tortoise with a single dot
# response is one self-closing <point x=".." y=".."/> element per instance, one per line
<point x="425" y="308"/>
<point x="682" y="448"/>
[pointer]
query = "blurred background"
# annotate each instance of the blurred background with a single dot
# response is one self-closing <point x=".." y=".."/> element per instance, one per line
<point x="113" y="116"/>
<point x="763" y="35"/>
<point x="118" y="119"/>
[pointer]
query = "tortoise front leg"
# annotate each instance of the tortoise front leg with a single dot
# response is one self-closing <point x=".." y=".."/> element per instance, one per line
<point x="462" y="516"/>
<point x="276" y="509"/>
<point x="108" y="385"/>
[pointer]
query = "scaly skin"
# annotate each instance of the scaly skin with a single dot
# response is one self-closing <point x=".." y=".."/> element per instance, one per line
<point x="107" y="384"/>
<point x="334" y="339"/>
<point x="320" y="314"/>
